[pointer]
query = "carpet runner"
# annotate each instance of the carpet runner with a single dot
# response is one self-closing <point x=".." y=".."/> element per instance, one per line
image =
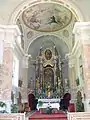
<point x="54" y="116"/>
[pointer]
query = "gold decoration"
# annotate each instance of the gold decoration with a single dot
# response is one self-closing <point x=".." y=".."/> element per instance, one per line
<point x="48" y="54"/>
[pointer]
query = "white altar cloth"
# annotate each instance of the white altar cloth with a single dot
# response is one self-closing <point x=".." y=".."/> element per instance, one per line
<point x="52" y="103"/>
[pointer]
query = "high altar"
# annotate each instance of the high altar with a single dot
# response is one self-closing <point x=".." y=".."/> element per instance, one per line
<point x="48" y="74"/>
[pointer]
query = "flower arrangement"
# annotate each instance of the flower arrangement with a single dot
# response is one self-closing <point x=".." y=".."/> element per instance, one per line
<point x="48" y="110"/>
<point x="2" y="104"/>
<point x="40" y="103"/>
<point x="14" y="108"/>
<point x="3" y="107"/>
<point x="79" y="103"/>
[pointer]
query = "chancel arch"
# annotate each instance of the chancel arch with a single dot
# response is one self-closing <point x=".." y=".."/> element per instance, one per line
<point x="48" y="68"/>
<point x="49" y="56"/>
<point x="47" y="37"/>
<point x="24" y="5"/>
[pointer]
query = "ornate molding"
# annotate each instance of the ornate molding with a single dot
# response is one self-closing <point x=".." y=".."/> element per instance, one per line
<point x="82" y="36"/>
<point x="82" y="32"/>
<point x="25" y="60"/>
<point x="10" y="29"/>
<point x="10" y="33"/>
<point x="11" y="36"/>
<point x="72" y="63"/>
<point x="82" y="29"/>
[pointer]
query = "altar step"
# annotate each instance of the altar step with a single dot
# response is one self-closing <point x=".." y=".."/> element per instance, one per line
<point x="53" y="116"/>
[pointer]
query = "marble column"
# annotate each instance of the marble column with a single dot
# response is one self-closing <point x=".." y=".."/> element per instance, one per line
<point x="82" y="34"/>
<point x="8" y="33"/>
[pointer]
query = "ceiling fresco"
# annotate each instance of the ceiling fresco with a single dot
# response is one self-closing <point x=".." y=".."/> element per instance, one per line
<point x="47" y="17"/>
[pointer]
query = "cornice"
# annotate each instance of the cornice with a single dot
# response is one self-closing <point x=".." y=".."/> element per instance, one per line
<point x="15" y="32"/>
<point x="80" y="27"/>
<point x="10" y="29"/>
<point x="82" y="30"/>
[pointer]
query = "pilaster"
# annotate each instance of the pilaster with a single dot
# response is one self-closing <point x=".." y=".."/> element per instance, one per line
<point x="82" y="34"/>
<point x="24" y="89"/>
<point x="8" y="33"/>
<point x="72" y="78"/>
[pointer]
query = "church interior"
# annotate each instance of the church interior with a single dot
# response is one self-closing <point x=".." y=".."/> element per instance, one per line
<point x="44" y="55"/>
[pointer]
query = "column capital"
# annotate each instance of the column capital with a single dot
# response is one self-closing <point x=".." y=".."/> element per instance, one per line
<point x="71" y="63"/>
<point x="10" y="29"/>
<point x="82" y="32"/>
<point x="10" y="34"/>
<point x="25" y="60"/>
<point x="80" y="27"/>
<point x="72" y="60"/>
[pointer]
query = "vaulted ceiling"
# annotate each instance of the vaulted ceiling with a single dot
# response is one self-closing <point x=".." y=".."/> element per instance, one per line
<point x="48" y="41"/>
<point x="47" y="17"/>
<point x="47" y="22"/>
<point x="37" y="18"/>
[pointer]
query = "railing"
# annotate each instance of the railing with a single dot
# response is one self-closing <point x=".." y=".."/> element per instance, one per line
<point x="12" y="116"/>
<point x="78" y="116"/>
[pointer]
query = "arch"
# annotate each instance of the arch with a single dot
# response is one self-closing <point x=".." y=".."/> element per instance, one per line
<point x="61" y="48"/>
<point x="24" y="5"/>
<point x="57" y="36"/>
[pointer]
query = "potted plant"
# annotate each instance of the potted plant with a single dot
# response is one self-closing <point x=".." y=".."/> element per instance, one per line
<point x="40" y="104"/>
<point x="14" y="108"/>
<point x="48" y="110"/>
<point x="3" y="107"/>
<point x="79" y="103"/>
